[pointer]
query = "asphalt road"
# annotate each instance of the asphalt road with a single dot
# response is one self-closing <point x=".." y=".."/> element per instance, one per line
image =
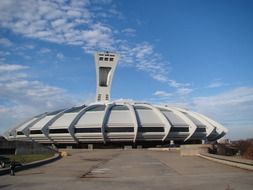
<point x="130" y="169"/>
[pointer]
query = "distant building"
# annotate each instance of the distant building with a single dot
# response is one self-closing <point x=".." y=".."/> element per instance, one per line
<point x="112" y="122"/>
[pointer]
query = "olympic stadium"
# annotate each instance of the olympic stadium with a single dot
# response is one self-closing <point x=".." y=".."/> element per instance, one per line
<point x="124" y="122"/>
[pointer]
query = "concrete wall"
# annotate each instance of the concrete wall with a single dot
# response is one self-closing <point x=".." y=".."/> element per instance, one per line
<point x="22" y="147"/>
<point x="194" y="149"/>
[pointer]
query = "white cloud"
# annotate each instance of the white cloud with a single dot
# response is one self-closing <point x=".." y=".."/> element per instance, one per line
<point x="75" y="23"/>
<point x="184" y="91"/>
<point x="74" y="13"/>
<point x="5" y="42"/>
<point x="233" y="108"/>
<point x="11" y="67"/>
<point x="162" y="94"/>
<point x="232" y="97"/>
<point x="44" y="50"/>
<point x="144" y="58"/>
<point x="215" y="84"/>
<point x="4" y="53"/>
<point x="22" y="97"/>
<point x="70" y="22"/>
<point x="6" y="77"/>
<point x="58" y="22"/>
<point x="129" y="32"/>
<point x="160" y="77"/>
<point x="60" y="56"/>
<point x="174" y="84"/>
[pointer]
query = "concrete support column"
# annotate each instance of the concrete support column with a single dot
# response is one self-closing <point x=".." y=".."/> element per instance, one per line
<point x="90" y="146"/>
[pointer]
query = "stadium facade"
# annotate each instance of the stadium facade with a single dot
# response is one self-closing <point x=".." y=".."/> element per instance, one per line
<point x="117" y="122"/>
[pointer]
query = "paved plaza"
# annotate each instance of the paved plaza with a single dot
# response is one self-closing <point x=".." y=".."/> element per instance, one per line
<point x="129" y="169"/>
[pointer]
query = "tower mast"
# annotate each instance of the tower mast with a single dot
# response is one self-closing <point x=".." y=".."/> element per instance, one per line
<point x="106" y="63"/>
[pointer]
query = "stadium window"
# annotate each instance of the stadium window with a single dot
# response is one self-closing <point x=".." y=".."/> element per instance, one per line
<point x="35" y="132"/>
<point x="141" y="107"/>
<point x="100" y="58"/>
<point x="119" y="129"/>
<point x="104" y="75"/>
<point x="150" y="129"/>
<point x="179" y="129"/>
<point x="20" y="133"/>
<point x="99" y="97"/>
<point x="75" y="109"/>
<point x="111" y="59"/>
<point x="58" y="131"/>
<point x="120" y="107"/>
<point x="106" y="58"/>
<point x="201" y="130"/>
<point x="97" y="108"/>
<point x="87" y="130"/>
<point x="164" y="110"/>
<point x="55" y="112"/>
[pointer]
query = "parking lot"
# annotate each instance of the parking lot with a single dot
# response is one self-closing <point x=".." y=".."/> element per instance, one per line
<point x="129" y="169"/>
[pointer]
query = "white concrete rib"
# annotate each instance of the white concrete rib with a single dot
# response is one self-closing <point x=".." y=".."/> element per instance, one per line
<point x="71" y="127"/>
<point x="157" y="116"/>
<point x="135" y="122"/>
<point x="209" y="126"/>
<point x="167" y="125"/>
<point x="105" y="118"/>
<point x="192" y="126"/>
<point x="50" y="122"/>
<point x="218" y="126"/>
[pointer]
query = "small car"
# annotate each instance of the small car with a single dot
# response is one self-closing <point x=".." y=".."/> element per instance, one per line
<point x="4" y="161"/>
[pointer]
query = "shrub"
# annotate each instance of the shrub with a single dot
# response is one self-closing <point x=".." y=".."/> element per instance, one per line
<point x="246" y="148"/>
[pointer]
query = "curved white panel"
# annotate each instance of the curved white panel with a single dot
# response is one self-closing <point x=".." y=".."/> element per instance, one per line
<point x="209" y="127"/>
<point x="102" y="122"/>
<point x="219" y="127"/>
<point x="147" y="117"/>
<point x="192" y="126"/>
<point x="105" y="118"/>
<point x="135" y="122"/>
<point x="167" y="125"/>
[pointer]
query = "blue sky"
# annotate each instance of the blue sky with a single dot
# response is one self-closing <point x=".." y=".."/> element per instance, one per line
<point x="194" y="54"/>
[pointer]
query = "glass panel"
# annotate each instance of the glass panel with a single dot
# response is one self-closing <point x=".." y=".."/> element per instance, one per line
<point x="20" y="133"/>
<point x="164" y="110"/>
<point x="55" y="112"/>
<point x="150" y="129"/>
<point x="58" y="131"/>
<point x="87" y="130"/>
<point x="103" y="75"/>
<point x="202" y="130"/>
<point x="120" y="107"/>
<point x="179" y="129"/>
<point x="75" y="109"/>
<point x="141" y="108"/>
<point x="36" y="132"/>
<point x="97" y="108"/>
<point x="119" y="129"/>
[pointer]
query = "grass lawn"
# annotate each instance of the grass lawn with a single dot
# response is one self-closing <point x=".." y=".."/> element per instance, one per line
<point x="29" y="157"/>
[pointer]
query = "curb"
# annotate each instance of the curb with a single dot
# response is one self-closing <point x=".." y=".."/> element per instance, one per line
<point x="32" y="164"/>
<point x="164" y="149"/>
<point x="239" y="164"/>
